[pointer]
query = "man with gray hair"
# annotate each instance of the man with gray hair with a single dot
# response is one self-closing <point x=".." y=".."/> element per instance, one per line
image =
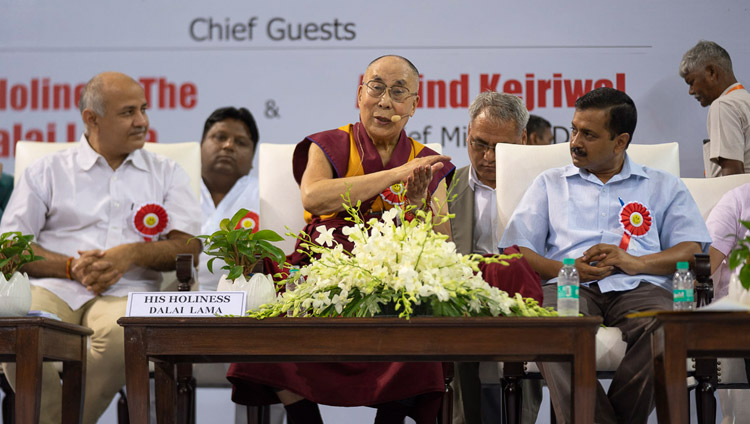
<point x="493" y="118"/>
<point x="707" y="69"/>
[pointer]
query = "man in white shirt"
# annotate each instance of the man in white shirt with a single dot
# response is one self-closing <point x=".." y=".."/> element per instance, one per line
<point x="707" y="69"/>
<point x="230" y="136"/>
<point x="86" y="207"/>
<point x="493" y="118"/>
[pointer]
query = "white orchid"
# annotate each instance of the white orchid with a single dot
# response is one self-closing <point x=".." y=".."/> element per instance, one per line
<point x="326" y="235"/>
<point x="394" y="265"/>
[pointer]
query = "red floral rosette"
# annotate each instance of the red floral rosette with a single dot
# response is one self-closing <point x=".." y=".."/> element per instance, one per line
<point x="251" y="221"/>
<point x="395" y="194"/>
<point x="636" y="221"/>
<point x="150" y="220"/>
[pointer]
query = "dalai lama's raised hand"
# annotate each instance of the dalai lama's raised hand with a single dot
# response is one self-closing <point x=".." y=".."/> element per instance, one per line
<point x="417" y="175"/>
<point x="417" y="184"/>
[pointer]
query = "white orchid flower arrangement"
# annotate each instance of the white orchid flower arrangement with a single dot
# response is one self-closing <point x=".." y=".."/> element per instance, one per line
<point x="395" y="267"/>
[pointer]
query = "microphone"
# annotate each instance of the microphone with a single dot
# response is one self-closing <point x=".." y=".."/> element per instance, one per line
<point x="396" y="118"/>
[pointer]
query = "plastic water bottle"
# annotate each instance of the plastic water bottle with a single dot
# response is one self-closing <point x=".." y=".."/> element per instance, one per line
<point x="567" y="289"/>
<point x="682" y="288"/>
<point x="291" y="282"/>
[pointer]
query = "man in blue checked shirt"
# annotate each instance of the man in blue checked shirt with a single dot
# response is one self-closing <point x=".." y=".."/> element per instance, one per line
<point x="627" y="226"/>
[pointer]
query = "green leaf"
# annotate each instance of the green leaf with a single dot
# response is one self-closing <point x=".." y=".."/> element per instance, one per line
<point x="268" y="235"/>
<point x="238" y="217"/>
<point x="232" y="237"/>
<point x="15" y="252"/>
<point x="737" y="256"/>
<point x="210" y="264"/>
<point x="745" y="276"/>
<point x="235" y="272"/>
<point x="271" y="251"/>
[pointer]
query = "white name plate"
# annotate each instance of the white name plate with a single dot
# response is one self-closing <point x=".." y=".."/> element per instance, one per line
<point x="186" y="304"/>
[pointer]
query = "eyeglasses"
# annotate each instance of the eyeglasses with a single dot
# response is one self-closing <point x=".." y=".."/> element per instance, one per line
<point x="482" y="148"/>
<point x="398" y="94"/>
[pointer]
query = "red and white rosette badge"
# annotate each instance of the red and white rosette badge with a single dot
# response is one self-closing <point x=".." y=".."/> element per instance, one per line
<point x="150" y="220"/>
<point x="249" y="222"/>
<point x="636" y="221"/>
<point x="394" y="194"/>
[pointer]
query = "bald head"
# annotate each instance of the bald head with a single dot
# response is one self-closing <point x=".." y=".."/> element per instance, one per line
<point x="95" y="92"/>
<point x="113" y="108"/>
<point x="413" y="71"/>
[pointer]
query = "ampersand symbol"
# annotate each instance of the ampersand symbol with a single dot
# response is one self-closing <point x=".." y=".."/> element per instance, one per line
<point x="272" y="111"/>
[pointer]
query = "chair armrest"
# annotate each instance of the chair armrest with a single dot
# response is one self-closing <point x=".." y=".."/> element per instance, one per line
<point x="704" y="286"/>
<point x="184" y="271"/>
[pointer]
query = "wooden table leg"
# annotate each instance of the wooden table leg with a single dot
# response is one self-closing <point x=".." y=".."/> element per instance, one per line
<point x="670" y="360"/>
<point x="136" y="378"/>
<point x="28" y="375"/>
<point x="73" y="389"/>
<point x="166" y="392"/>
<point x="583" y="379"/>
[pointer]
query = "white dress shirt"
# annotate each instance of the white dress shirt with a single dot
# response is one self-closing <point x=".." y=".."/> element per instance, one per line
<point x="244" y="194"/>
<point x="485" y="215"/>
<point x="73" y="200"/>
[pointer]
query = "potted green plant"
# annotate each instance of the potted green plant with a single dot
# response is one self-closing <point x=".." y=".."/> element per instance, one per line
<point x="15" y="290"/>
<point x="241" y="250"/>
<point x="739" y="262"/>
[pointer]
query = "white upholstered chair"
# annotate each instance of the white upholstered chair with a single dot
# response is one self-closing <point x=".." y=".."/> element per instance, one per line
<point x="280" y="198"/>
<point x="518" y="165"/>
<point x="188" y="155"/>
<point x="708" y="191"/>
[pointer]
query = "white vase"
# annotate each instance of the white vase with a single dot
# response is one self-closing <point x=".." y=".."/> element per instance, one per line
<point x="15" y="295"/>
<point x="260" y="289"/>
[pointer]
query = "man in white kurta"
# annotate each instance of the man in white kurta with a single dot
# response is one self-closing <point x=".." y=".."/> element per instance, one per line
<point x="244" y="194"/>
<point x="227" y="150"/>
<point x="82" y="206"/>
<point x="230" y="136"/>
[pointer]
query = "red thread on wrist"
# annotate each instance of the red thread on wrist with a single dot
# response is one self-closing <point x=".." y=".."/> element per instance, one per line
<point x="68" y="263"/>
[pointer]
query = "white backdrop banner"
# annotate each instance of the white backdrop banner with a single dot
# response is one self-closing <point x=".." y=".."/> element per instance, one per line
<point x="296" y="65"/>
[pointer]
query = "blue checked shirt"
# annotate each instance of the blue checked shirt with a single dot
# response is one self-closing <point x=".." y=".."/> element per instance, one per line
<point x="567" y="210"/>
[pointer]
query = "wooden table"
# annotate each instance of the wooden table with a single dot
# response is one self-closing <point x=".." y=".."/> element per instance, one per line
<point x="28" y="341"/>
<point x="680" y="335"/>
<point x="169" y="341"/>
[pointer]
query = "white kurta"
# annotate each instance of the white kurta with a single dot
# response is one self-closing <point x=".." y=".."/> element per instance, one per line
<point x="244" y="194"/>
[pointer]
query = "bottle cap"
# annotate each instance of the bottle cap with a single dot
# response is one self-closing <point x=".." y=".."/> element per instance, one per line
<point x="682" y="265"/>
<point x="569" y="261"/>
